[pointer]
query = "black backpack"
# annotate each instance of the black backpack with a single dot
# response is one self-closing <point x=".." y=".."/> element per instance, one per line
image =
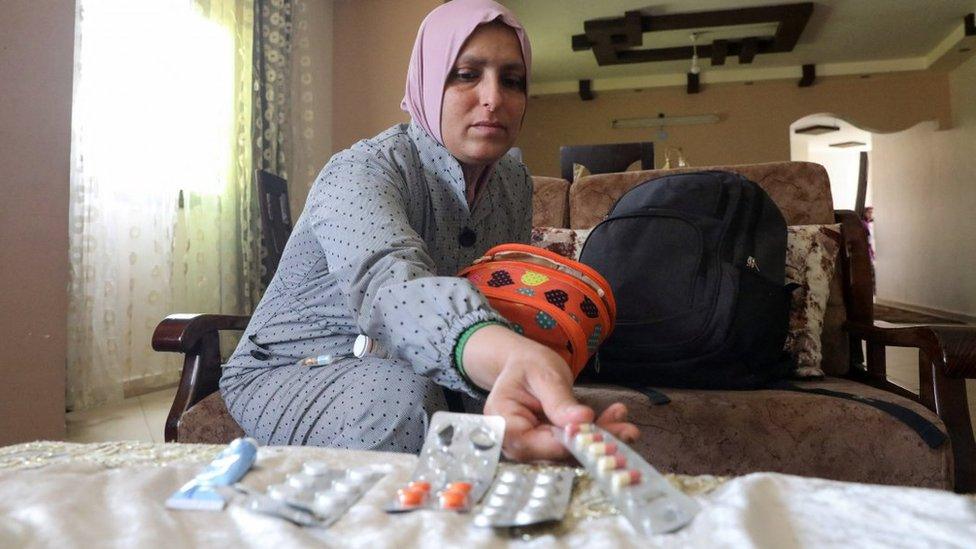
<point x="697" y="265"/>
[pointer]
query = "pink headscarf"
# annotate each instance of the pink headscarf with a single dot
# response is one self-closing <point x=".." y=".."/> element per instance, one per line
<point x="438" y="43"/>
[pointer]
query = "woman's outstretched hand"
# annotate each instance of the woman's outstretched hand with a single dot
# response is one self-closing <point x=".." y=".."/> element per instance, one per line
<point x="531" y="387"/>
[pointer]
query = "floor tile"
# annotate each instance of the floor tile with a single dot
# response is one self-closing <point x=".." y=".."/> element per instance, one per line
<point x="902" y="366"/>
<point x="118" y="421"/>
<point x="155" y="408"/>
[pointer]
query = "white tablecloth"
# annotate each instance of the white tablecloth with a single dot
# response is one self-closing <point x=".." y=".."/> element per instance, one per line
<point x="111" y="495"/>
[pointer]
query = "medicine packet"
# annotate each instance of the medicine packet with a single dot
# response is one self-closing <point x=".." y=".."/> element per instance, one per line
<point x="523" y="498"/>
<point x="203" y="492"/>
<point x="317" y="496"/>
<point x="456" y="464"/>
<point x="648" y="501"/>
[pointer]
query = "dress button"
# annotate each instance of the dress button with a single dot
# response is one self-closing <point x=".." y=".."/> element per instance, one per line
<point x="467" y="237"/>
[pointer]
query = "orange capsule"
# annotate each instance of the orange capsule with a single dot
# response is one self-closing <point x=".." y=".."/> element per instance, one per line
<point x="460" y="486"/>
<point x="409" y="497"/>
<point x="453" y="499"/>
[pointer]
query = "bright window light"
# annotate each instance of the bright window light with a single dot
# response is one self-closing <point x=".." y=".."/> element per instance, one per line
<point x="155" y="99"/>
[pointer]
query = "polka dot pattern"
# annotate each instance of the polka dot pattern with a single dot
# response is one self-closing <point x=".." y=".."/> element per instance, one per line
<point x="375" y="252"/>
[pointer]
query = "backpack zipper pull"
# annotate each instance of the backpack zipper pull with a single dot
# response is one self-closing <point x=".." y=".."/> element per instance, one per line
<point x="752" y="263"/>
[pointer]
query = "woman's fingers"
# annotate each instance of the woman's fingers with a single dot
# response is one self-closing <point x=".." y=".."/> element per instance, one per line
<point x="555" y="394"/>
<point x="614" y="419"/>
<point x="526" y="438"/>
<point x="614" y="413"/>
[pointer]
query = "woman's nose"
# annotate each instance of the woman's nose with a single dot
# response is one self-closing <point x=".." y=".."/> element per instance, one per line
<point x="490" y="92"/>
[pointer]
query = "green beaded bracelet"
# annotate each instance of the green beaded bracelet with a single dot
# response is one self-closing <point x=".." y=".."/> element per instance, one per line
<point x="463" y="340"/>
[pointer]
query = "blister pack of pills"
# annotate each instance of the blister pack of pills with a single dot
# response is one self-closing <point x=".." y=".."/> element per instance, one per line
<point x="523" y="498"/>
<point x="456" y="464"/>
<point x="317" y="496"/>
<point x="650" y="503"/>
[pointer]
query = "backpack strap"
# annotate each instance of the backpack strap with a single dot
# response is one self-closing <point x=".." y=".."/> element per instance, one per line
<point x="657" y="398"/>
<point x="927" y="430"/>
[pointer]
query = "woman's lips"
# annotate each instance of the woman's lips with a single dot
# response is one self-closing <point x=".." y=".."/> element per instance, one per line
<point x="489" y="128"/>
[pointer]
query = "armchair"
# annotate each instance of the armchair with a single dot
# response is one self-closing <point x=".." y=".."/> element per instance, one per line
<point x="729" y="432"/>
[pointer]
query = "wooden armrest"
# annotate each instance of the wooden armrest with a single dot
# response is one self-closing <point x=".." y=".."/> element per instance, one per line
<point x="197" y="337"/>
<point x="181" y="333"/>
<point x="947" y="354"/>
<point x="952" y="347"/>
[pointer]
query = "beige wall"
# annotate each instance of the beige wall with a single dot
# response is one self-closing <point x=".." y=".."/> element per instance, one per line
<point x="755" y="119"/>
<point x="36" y="49"/>
<point x="373" y="40"/>
<point x="925" y="197"/>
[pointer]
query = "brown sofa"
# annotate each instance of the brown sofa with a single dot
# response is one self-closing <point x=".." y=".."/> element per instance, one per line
<point x="725" y="432"/>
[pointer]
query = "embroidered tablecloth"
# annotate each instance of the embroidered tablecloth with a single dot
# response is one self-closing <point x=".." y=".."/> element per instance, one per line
<point x="56" y="494"/>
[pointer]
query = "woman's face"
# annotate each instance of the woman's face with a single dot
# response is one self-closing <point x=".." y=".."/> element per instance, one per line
<point x="484" y="96"/>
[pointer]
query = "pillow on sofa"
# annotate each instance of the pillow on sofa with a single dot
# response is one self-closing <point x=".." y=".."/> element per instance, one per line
<point x="580" y="170"/>
<point x="811" y="252"/>
<point x="565" y="242"/>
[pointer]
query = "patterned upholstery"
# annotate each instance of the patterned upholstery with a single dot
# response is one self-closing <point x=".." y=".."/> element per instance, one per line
<point x="208" y="422"/>
<point x="738" y="432"/>
<point x="549" y="202"/>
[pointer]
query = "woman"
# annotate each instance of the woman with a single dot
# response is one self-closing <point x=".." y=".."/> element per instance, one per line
<point x="386" y="226"/>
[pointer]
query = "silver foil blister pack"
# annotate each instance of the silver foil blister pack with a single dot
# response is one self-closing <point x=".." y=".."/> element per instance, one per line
<point x="317" y="496"/>
<point x="648" y="501"/>
<point x="523" y="498"/>
<point x="456" y="465"/>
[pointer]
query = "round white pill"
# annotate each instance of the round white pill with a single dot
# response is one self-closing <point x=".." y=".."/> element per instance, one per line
<point x="482" y="520"/>
<point x="281" y="492"/>
<point x="498" y="501"/>
<point x="345" y="487"/>
<point x="543" y="491"/>
<point x="544" y="478"/>
<point x="508" y="477"/>
<point x="504" y="489"/>
<point x="316" y="468"/>
<point x="330" y="500"/>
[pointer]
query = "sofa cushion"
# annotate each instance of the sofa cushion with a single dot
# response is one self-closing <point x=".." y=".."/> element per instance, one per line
<point x="550" y="206"/>
<point x="208" y="422"/>
<point x="800" y="189"/>
<point x="565" y="242"/>
<point x="737" y="432"/>
<point x="580" y="171"/>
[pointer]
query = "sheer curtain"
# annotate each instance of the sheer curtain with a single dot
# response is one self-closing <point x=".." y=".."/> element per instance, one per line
<point x="160" y="182"/>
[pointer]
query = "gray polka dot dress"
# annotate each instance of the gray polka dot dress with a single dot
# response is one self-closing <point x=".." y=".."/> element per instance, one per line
<point x="386" y="227"/>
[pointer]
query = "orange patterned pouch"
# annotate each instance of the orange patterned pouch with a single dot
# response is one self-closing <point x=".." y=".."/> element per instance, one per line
<point x="548" y="298"/>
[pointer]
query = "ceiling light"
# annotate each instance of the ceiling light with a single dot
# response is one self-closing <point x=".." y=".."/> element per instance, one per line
<point x="816" y="129"/>
<point x="695" y="69"/>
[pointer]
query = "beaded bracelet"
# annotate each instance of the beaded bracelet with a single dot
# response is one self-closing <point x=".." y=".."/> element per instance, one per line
<point x="463" y="340"/>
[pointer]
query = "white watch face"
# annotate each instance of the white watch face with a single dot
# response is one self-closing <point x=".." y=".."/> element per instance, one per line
<point x="361" y="347"/>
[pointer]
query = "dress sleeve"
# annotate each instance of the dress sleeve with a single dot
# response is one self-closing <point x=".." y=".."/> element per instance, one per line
<point x="360" y="218"/>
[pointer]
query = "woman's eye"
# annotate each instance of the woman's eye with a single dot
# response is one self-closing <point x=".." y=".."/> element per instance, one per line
<point x="514" y="82"/>
<point x="465" y="75"/>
